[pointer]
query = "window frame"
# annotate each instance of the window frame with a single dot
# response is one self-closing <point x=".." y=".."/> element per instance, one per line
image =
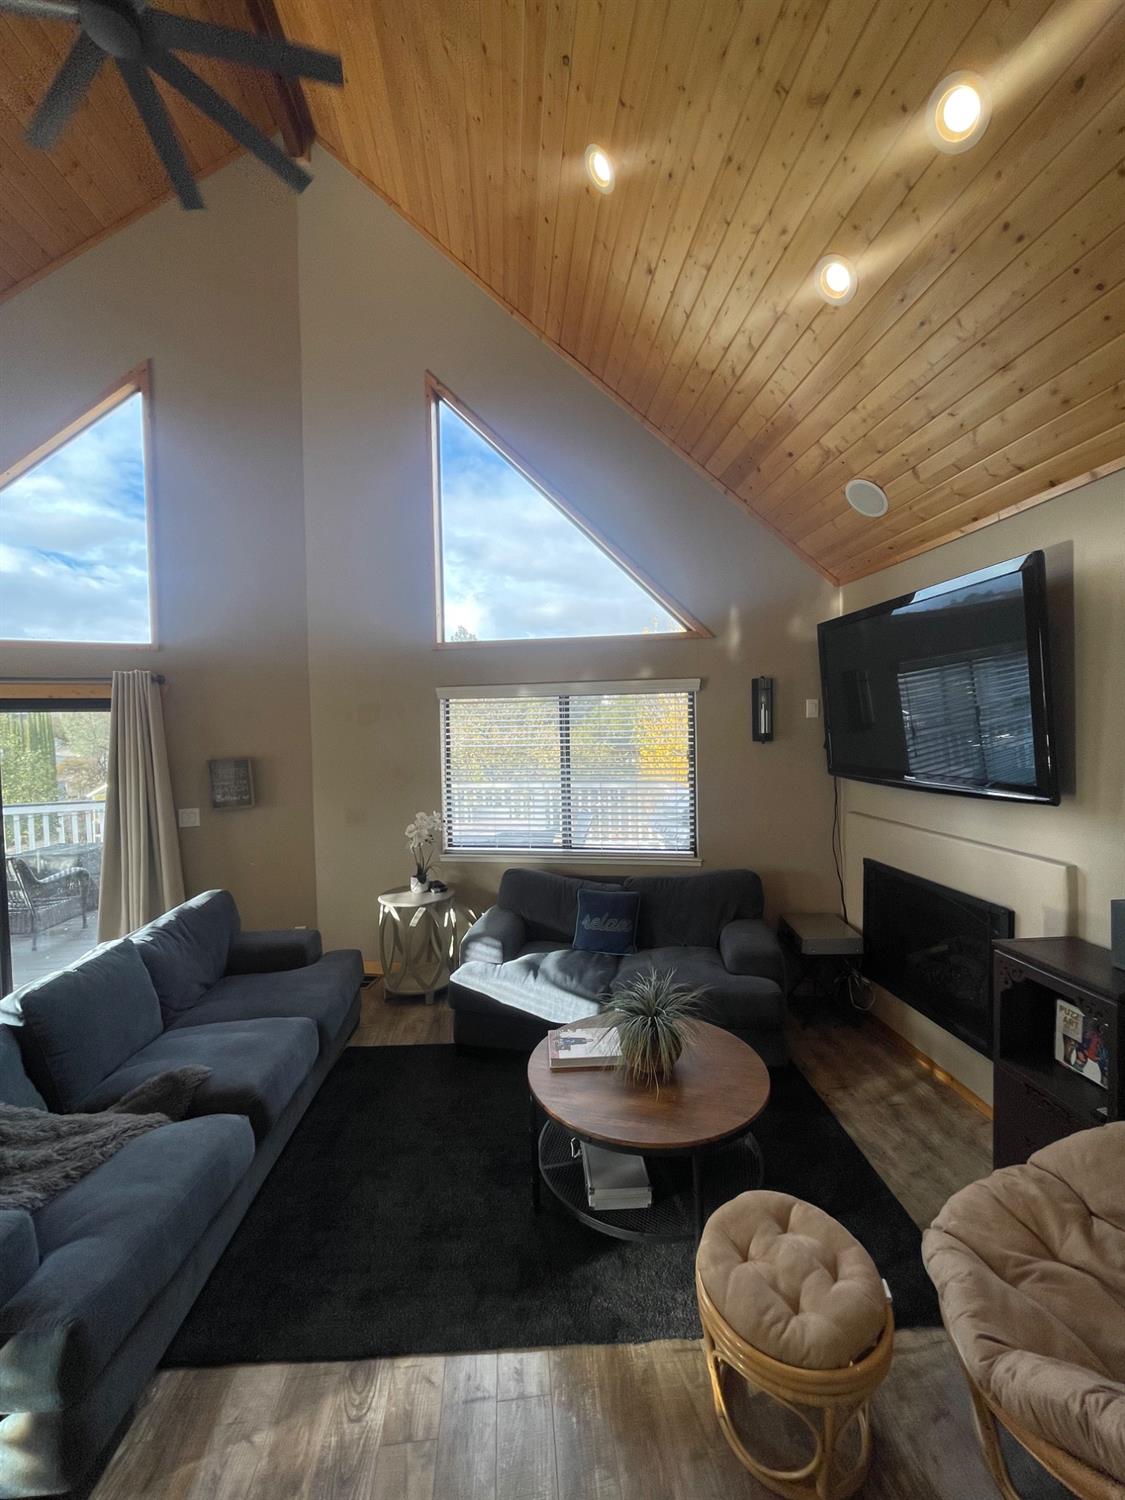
<point x="437" y="393"/>
<point x="454" y="854"/>
<point x="137" y="382"/>
<point x="30" y="696"/>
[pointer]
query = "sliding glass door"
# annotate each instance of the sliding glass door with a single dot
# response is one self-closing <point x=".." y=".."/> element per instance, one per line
<point x="54" y="761"/>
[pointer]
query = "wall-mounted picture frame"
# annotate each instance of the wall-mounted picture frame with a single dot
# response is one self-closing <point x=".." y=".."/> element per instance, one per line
<point x="232" y="782"/>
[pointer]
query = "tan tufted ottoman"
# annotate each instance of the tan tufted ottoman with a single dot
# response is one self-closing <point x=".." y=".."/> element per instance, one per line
<point x="792" y="1303"/>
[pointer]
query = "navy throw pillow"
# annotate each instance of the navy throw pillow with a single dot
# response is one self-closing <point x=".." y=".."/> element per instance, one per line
<point x="607" y="921"/>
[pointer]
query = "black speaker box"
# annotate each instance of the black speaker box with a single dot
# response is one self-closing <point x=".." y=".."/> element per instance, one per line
<point x="1117" y="933"/>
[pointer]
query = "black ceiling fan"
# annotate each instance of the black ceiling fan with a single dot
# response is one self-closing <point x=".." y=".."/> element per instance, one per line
<point x="141" y="41"/>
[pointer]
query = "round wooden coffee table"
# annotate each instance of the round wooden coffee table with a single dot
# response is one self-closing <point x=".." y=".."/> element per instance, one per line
<point x="703" y="1117"/>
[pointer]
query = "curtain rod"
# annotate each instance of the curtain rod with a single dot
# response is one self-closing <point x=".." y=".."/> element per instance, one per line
<point x="157" y="677"/>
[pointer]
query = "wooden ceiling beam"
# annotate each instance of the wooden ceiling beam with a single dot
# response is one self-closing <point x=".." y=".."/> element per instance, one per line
<point x="294" y="120"/>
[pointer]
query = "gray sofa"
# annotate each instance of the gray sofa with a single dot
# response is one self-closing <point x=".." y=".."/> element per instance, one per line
<point x="94" y="1284"/>
<point x="519" y="975"/>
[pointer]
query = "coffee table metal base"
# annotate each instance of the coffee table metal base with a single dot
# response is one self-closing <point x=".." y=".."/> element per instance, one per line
<point x="686" y="1185"/>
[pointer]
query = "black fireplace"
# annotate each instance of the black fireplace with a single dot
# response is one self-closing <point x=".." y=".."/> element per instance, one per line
<point x="932" y="947"/>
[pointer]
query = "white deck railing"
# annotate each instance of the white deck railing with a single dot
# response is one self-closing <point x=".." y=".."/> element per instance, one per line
<point x="45" y="825"/>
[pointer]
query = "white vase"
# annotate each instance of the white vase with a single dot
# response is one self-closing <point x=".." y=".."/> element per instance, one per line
<point x="416" y="886"/>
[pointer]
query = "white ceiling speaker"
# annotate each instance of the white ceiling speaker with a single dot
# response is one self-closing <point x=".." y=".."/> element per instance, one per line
<point x="958" y="112"/>
<point x="865" y="496"/>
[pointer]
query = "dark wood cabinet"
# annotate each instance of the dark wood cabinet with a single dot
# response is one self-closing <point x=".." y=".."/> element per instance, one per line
<point x="1036" y="1099"/>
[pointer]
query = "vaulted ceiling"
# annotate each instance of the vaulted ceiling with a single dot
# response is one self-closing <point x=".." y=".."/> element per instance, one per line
<point x="977" y="369"/>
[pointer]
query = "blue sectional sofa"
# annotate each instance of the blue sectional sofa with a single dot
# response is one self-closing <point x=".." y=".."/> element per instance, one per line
<point x="520" y="974"/>
<point x="94" y="1284"/>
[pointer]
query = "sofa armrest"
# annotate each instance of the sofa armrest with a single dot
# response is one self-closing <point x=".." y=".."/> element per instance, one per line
<point x="19" y="1251"/>
<point x="748" y="946"/>
<point x="267" y="952"/>
<point x="494" y="938"/>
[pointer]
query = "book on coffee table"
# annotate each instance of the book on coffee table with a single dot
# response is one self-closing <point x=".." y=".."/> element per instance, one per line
<point x="583" y="1047"/>
<point x="615" y="1179"/>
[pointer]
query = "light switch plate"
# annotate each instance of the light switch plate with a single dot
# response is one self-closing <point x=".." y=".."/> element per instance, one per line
<point x="189" y="817"/>
<point x="812" y="708"/>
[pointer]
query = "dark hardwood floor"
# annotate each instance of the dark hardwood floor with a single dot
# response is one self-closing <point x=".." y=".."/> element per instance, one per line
<point x="626" y="1422"/>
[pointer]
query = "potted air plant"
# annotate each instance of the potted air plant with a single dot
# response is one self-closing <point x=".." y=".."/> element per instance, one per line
<point x="653" y="1015"/>
<point x="421" y="835"/>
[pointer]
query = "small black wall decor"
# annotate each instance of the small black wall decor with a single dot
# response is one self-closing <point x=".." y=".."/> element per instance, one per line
<point x="232" y="782"/>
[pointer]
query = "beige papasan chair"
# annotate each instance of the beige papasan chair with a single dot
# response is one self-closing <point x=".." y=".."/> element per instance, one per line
<point x="1029" y="1265"/>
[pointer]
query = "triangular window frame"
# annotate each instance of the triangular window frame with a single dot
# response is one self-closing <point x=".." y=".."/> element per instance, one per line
<point x="138" y="382"/>
<point x="438" y="394"/>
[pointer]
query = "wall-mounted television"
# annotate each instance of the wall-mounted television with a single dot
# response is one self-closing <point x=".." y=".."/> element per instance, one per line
<point x="947" y="689"/>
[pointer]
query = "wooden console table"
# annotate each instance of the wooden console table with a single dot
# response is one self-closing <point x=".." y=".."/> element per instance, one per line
<point x="1038" y="1100"/>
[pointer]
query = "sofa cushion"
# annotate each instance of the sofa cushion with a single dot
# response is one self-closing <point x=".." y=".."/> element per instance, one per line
<point x="19" y="1251"/>
<point x="108" y="1246"/>
<point x="269" y="951"/>
<point x="186" y="949"/>
<point x="691" y="910"/>
<point x="323" y="991"/>
<point x="497" y="935"/>
<point x="256" y="1067"/>
<point x="555" y="982"/>
<point x="81" y="1023"/>
<point x="738" y="1001"/>
<point x="16" y="1088"/>
<point x="548" y="903"/>
<point x="606" y="922"/>
<point x="748" y="946"/>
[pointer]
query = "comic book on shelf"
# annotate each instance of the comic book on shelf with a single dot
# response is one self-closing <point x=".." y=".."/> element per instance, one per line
<point x="1081" y="1043"/>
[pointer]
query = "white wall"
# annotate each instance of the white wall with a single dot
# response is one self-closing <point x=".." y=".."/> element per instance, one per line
<point x="379" y="307"/>
<point x="1083" y="535"/>
<point x="211" y="299"/>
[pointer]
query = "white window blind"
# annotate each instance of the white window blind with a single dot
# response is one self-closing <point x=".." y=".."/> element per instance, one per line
<point x="601" y="768"/>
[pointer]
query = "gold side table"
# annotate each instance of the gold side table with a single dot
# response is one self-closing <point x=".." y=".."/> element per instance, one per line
<point x="417" y="941"/>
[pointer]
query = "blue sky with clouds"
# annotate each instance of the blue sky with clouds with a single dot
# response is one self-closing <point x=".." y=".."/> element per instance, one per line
<point x="515" y="567"/>
<point x="74" y="539"/>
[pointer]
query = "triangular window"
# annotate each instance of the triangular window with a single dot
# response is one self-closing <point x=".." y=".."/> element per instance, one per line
<point x="74" y="531"/>
<point x="515" y="561"/>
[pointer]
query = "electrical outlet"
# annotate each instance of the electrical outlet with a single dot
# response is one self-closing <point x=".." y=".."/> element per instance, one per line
<point x="812" y="708"/>
<point x="189" y="817"/>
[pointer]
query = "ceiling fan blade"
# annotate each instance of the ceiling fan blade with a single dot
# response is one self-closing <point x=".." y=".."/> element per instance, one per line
<point x="233" y="121"/>
<point x="67" y="90"/>
<point x="43" y="10"/>
<point x="206" y="39"/>
<point x="159" y="125"/>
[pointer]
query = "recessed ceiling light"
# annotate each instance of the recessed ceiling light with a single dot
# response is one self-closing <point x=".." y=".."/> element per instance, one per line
<point x="958" y="112"/>
<point x="835" y="279"/>
<point x="599" y="169"/>
<point x="865" y="496"/>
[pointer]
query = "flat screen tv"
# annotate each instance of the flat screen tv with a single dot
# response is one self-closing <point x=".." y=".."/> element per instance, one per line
<point x="947" y="689"/>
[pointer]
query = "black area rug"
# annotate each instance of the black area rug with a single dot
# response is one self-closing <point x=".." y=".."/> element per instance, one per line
<point x="398" y="1220"/>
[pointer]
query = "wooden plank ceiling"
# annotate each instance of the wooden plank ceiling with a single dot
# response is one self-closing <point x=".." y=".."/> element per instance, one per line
<point x="976" y="371"/>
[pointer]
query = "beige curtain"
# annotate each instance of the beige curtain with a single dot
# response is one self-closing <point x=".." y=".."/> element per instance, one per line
<point x="141" y="871"/>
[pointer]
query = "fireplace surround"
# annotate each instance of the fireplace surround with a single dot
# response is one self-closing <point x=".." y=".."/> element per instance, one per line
<point x="931" y="946"/>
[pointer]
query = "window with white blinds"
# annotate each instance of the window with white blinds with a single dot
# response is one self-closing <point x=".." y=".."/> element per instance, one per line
<point x="596" y="768"/>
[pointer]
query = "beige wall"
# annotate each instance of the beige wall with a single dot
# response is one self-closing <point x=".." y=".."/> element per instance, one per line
<point x="1083" y="534"/>
<point x="378" y="308"/>
<point x="210" y="298"/>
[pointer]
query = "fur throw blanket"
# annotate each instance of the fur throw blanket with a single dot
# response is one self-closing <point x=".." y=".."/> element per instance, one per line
<point x="41" y="1154"/>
